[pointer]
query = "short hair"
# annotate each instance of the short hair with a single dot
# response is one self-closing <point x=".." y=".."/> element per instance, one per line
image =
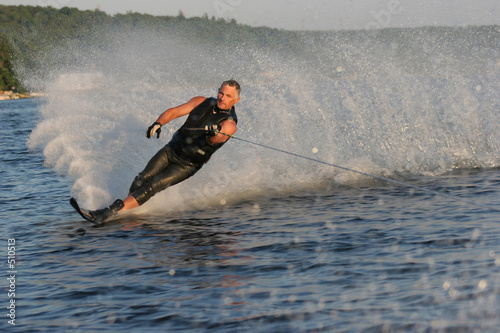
<point x="232" y="83"/>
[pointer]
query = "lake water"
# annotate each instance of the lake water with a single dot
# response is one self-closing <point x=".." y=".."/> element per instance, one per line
<point x="370" y="257"/>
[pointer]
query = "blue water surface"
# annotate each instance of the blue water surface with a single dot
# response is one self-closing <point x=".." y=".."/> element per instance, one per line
<point x="371" y="257"/>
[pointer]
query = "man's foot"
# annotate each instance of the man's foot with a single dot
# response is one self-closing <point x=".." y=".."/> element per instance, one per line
<point x="102" y="215"/>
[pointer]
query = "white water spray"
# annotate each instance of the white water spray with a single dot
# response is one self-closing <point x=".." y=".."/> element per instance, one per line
<point x="354" y="111"/>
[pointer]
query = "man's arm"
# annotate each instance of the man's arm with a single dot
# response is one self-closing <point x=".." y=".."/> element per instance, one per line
<point x="228" y="127"/>
<point x="179" y="111"/>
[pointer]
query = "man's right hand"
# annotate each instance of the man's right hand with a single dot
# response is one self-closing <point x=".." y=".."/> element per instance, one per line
<point x="155" y="128"/>
<point x="212" y="130"/>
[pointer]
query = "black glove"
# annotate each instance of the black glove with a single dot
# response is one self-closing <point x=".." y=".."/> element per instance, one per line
<point x="155" y="128"/>
<point x="212" y="129"/>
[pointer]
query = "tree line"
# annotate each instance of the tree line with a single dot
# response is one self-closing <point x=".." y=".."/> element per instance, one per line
<point x="27" y="33"/>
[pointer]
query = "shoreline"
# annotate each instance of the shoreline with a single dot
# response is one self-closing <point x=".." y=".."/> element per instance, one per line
<point x="10" y="95"/>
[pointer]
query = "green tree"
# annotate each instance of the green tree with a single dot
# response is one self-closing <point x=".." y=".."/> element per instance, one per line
<point x="7" y="79"/>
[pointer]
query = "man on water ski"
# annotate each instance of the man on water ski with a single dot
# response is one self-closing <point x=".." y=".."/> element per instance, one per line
<point x="210" y="124"/>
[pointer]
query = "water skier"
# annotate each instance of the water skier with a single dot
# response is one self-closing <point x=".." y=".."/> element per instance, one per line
<point x="210" y="123"/>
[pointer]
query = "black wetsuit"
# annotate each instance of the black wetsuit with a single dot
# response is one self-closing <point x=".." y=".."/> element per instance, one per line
<point x="184" y="155"/>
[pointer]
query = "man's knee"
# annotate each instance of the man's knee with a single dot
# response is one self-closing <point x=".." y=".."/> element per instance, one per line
<point x="137" y="183"/>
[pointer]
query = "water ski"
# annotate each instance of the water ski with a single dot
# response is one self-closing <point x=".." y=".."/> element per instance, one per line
<point x="100" y="215"/>
<point x="86" y="214"/>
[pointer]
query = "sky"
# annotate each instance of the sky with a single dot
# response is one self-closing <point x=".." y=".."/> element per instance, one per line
<point x="305" y="14"/>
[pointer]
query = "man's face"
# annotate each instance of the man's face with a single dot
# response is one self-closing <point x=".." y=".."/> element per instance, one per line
<point x="228" y="96"/>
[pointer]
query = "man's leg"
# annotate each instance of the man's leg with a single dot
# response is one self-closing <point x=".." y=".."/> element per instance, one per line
<point x="171" y="175"/>
<point x="156" y="164"/>
<point x="159" y="174"/>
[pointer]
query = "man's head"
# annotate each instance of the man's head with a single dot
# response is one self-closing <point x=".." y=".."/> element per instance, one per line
<point x="229" y="94"/>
